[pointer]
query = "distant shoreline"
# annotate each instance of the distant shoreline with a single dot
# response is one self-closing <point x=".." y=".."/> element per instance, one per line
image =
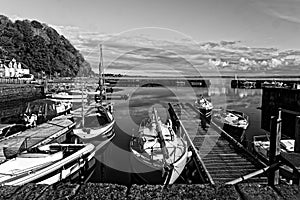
<point x="254" y="76"/>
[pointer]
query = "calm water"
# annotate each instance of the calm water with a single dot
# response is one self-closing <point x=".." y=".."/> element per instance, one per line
<point x="116" y="158"/>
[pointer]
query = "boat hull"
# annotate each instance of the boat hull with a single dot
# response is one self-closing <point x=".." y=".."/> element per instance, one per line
<point x="236" y="130"/>
<point x="57" y="171"/>
<point x="205" y="113"/>
<point x="100" y="141"/>
<point x="146" y="173"/>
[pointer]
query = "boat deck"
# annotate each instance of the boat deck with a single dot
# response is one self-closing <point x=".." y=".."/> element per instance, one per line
<point x="41" y="134"/>
<point x="223" y="161"/>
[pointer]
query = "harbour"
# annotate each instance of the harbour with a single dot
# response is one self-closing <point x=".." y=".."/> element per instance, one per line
<point x="218" y="157"/>
<point x="160" y="100"/>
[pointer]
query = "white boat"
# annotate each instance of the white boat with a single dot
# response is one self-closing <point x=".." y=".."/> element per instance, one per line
<point x="204" y="106"/>
<point x="95" y="126"/>
<point x="67" y="96"/>
<point x="261" y="145"/>
<point x="63" y="107"/>
<point x="231" y="121"/>
<point x="47" y="164"/>
<point x="159" y="155"/>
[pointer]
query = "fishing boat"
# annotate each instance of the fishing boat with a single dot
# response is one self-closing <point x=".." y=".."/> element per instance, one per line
<point x="43" y="110"/>
<point x="95" y="123"/>
<point x="231" y="121"/>
<point x="261" y="145"/>
<point x="204" y="106"/>
<point x="47" y="164"/>
<point x="158" y="154"/>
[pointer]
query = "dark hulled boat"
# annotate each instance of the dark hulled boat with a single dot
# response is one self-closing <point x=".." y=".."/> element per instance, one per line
<point x="231" y="121"/>
<point x="204" y="106"/>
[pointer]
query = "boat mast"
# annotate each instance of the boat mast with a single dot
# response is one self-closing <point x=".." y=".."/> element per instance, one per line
<point x="101" y="76"/>
<point x="82" y="108"/>
<point x="160" y="136"/>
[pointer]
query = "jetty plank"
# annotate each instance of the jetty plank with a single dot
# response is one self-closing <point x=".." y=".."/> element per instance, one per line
<point x="43" y="133"/>
<point x="213" y="147"/>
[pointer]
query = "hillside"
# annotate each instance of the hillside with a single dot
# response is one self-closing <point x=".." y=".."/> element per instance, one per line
<point x="41" y="48"/>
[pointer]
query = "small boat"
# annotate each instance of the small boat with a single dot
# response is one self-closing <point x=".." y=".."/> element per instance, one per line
<point x="63" y="107"/>
<point x="159" y="155"/>
<point x="248" y="84"/>
<point x="69" y="97"/>
<point x="231" y="121"/>
<point x="43" y="110"/>
<point x="47" y="164"/>
<point x="95" y="126"/>
<point x="261" y="145"/>
<point x="204" y="106"/>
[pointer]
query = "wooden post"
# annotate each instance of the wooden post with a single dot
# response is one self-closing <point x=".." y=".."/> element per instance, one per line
<point x="275" y="137"/>
<point x="297" y="135"/>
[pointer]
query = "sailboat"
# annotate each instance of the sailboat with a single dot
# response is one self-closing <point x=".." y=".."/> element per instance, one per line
<point x="159" y="155"/>
<point x="95" y="122"/>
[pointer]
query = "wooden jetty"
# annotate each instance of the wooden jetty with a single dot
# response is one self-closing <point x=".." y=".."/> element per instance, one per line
<point x="54" y="130"/>
<point x="221" y="157"/>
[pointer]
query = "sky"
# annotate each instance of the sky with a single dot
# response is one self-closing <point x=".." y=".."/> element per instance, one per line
<point x="259" y="23"/>
<point x="250" y="23"/>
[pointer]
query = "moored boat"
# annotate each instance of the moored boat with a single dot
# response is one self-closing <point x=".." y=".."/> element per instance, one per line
<point x="261" y="145"/>
<point x="63" y="107"/>
<point x="43" y="110"/>
<point x="47" y="164"/>
<point x="66" y="97"/>
<point x="231" y="121"/>
<point x="204" y="106"/>
<point x="95" y="125"/>
<point x="158" y="154"/>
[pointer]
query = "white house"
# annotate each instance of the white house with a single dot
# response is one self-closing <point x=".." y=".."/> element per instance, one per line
<point x="9" y="69"/>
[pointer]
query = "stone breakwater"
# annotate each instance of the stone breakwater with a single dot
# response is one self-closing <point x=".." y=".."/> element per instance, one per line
<point x="89" y="191"/>
<point x="13" y="92"/>
<point x="13" y="98"/>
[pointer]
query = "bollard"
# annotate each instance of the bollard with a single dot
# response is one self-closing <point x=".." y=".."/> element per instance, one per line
<point x="275" y="136"/>
<point x="297" y="135"/>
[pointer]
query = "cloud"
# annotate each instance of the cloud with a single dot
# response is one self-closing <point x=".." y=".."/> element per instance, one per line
<point x="123" y="51"/>
<point x="285" y="17"/>
<point x="287" y="10"/>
